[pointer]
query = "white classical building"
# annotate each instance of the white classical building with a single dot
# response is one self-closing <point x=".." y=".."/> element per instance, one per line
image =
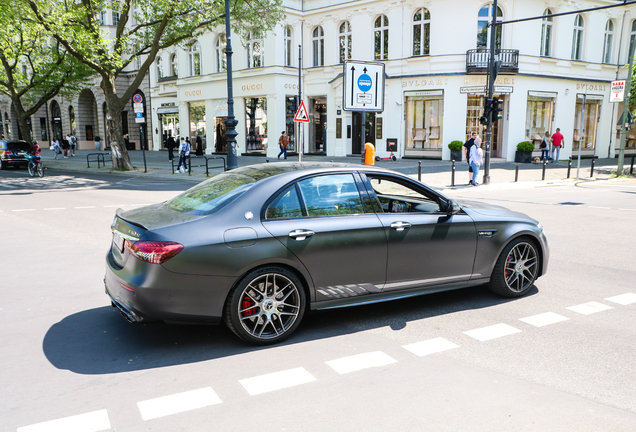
<point x="434" y="52"/>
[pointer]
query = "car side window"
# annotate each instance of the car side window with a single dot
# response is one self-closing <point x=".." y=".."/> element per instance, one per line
<point x="285" y="205"/>
<point x="331" y="195"/>
<point x="398" y="198"/>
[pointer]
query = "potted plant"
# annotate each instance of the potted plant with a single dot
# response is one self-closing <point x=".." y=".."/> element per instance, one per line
<point x="98" y="143"/>
<point x="524" y="152"/>
<point x="456" y="150"/>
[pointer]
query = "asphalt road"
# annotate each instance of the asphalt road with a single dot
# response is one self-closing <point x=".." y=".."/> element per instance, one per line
<point x="462" y="360"/>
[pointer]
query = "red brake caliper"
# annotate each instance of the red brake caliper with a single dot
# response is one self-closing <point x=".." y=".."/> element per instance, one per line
<point x="247" y="302"/>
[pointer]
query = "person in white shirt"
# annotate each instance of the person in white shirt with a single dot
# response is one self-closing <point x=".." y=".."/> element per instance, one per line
<point x="476" y="161"/>
<point x="184" y="152"/>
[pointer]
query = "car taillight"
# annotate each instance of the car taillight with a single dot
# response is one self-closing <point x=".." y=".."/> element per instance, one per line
<point x="8" y="152"/>
<point x="154" y="252"/>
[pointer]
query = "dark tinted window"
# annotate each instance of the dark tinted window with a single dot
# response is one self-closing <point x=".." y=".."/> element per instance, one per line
<point x="285" y="205"/>
<point x="396" y="197"/>
<point x="331" y="195"/>
<point x="18" y="146"/>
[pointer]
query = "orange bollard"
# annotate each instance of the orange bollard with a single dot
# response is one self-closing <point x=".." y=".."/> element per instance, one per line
<point x="369" y="154"/>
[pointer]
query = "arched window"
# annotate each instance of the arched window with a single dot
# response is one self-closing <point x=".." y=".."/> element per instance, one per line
<point x="174" y="66"/>
<point x="381" y="37"/>
<point x="344" y="37"/>
<point x="318" y="42"/>
<point x="484" y="31"/>
<point x="254" y="50"/>
<point x="577" y="37"/>
<point x="607" y="41"/>
<point x="221" y="58"/>
<point x="159" y="67"/>
<point x="195" y="59"/>
<point x="287" y="35"/>
<point x="421" y="32"/>
<point x="71" y="117"/>
<point x="546" y="34"/>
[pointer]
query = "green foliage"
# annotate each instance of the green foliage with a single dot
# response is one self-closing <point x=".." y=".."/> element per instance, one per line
<point x="525" y="146"/>
<point x="455" y="145"/>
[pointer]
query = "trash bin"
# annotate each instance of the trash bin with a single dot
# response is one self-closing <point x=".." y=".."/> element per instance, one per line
<point x="369" y="154"/>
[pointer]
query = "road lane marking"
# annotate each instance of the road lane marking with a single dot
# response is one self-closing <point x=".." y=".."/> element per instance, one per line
<point x="627" y="209"/>
<point x="55" y="208"/>
<point x="87" y="207"/>
<point x="21" y="210"/>
<point x="492" y="332"/>
<point x="116" y="205"/>
<point x="276" y="381"/>
<point x="430" y="346"/>
<point x="589" y="308"/>
<point x="623" y="299"/>
<point x="596" y="207"/>
<point x="93" y="422"/>
<point x="544" y="319"/>
<point x="360" y="361"/>
<point x="177" y="403"/>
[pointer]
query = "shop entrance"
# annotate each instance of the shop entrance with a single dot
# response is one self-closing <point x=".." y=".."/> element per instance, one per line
<point x="474" y="111"/>
<point x="220" y="140"/>
<point x="362" y="133"/>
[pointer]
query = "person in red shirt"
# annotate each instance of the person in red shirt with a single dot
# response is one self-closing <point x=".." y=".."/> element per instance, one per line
<point x="35" y="151"/>
<point x="557" y="143"/>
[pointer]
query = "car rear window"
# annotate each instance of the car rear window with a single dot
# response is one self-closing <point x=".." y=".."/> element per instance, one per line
<point x="18" y="146"/>
<point x="211" y="195"/>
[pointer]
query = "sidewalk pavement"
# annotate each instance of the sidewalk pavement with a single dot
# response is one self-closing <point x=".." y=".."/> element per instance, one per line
<point x="435" y="173"/>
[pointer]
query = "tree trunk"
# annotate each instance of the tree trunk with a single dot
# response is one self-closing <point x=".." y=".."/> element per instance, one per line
<point x="121" y="159"/>
<point x="22" y="122"/>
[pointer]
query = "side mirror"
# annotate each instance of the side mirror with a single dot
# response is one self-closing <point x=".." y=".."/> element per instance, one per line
<point x="451" y="208"/>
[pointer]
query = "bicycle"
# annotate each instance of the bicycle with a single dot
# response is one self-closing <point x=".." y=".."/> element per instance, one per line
<point x="35" y="167"/>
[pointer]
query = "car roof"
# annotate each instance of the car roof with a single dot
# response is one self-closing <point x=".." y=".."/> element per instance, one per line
<point x="291" y="169"/>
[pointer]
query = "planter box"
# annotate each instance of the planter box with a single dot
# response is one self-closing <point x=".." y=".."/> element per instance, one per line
<point x="456" y="155"/>
<point x="523" y="157"/>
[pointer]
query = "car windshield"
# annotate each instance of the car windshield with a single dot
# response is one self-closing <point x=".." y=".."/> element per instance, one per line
<point x="211" y="195"/>
<point x="18" y="146"/>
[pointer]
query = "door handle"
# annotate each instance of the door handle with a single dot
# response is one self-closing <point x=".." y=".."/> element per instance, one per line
<point x="301" y="234"/>
<point x="400" y="226"/>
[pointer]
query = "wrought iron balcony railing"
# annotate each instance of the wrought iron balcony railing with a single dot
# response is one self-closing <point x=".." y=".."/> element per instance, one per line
<point x="477" y="60"/>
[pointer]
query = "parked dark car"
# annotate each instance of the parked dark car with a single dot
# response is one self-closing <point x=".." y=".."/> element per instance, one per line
<point x="13" y="153"/>
<point x="259" y="246"/>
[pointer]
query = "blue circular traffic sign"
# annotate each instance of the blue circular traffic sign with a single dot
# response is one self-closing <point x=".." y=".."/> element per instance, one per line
<point x="364" y="82"/>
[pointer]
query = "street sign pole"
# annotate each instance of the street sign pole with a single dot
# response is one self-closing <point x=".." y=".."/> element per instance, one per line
<point x="299" y="140"/>
<point x="491" y="85"/>
<point x="231" y="122"/>
<point x="578" y="164"/>
<point x="143" y="146"/>
<point x="628" y="85"/>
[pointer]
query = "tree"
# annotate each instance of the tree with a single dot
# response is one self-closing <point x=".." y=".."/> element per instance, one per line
<point x="145" y="28"/>
<point x="33" y="67"/>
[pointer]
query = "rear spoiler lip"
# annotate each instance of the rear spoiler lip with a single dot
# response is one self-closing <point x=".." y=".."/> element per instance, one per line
<point x="126" y="229"/>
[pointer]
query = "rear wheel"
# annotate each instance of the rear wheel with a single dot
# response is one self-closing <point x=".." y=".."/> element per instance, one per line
<point x="516" y="269"/>
<point x="40" y="169"/>
<point x="266" y="306"/>
<point x="3" y="165"/>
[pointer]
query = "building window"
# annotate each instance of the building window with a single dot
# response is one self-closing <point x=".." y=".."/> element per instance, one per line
<point x="484" y="30"/>
<point x="138" y="58"/>
<point x="174" y="67"/>
<point x="318" y="42"/>
<point x="195" y="59"/>
<point x="539" y="115"/>
<point x="115" y="18"/>
<point x="424" y="116"/>
<point x="344" y="36"/>
<point x="43" y="135"/>
<point x="254" y="50"/>
<point x="607" y="41"/>
<point x="421" y="32"/>
<point x="632" y="35"/>
<point x="591" y="116"/>
<point x="291" y="105"/>
<point x="103" y="18"/>
<point x="71" y="118"/>
<point x="381" y="35"/>
<point x="288" y="46"/>
<point x="159" y="68"/>
<point x="221" y="58"/>
<point x="577" y="37"/>
<point x="546" y="34"/>
<point x="255" y="124"/>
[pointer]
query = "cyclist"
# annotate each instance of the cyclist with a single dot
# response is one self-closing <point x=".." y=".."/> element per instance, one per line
<point x="35" y="151"/>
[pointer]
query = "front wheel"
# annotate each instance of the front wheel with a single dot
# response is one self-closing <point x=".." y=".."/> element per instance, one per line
<point x="31" y="167"/>
<point x="40" y="169"/>
<point x="516" y="269"/>
<point x="266" y="306"/>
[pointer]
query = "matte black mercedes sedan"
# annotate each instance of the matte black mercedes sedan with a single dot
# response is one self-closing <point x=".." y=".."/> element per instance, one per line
<point x="259" y="246"/>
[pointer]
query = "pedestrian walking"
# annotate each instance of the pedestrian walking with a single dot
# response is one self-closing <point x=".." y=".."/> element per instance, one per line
<point x="66" y="146"/>
<point x="170" y="145"/>
<point x="476" y="161"/>
<point x="557" y="143"/>
<point x="72" y="140"/>
<point x="545" y="146"/>
<point x="283" y="143"/>
<point x="184" y="152"/>
<point x="127" y="142"/>
<point x="199" y="149"/>
<point x="466" y="150"/>
<point x="55" y="146"/>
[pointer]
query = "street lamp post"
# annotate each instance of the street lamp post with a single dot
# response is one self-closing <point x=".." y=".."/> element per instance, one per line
<point x="231" y="122"/>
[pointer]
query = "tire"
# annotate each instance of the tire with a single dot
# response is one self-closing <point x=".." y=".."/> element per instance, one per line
<point x="516" y="268"/>
<point x="31" y="168"/>
<point x="377" y="158"/>
<point x="3" y="165"/>
<point x="40" y="169"/>
<point x="266" y="306"/>
<point x="394" y="158"/>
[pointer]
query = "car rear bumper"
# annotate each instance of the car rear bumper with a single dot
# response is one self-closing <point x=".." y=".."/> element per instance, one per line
<point x="156" y="294"/>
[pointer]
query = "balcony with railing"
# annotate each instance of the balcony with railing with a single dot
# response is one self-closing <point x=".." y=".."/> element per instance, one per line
<point x="477" y="61"/>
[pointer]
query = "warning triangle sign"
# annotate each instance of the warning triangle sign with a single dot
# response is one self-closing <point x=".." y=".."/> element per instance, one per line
<point x="301" y="114"/>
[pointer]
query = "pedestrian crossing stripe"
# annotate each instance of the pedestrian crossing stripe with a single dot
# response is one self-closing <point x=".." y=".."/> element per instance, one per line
<point x="301" y="114"/>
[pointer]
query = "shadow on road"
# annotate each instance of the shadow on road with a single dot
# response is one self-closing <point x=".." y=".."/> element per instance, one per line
<point x="100" y="341"/>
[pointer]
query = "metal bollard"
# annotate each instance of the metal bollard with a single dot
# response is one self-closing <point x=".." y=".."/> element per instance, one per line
<point x="516" y="173"/>
<point x="631" y="168"/>
<point x="592" y="169"/>
<point x="545" y="162"/>
<point x="453" y="174"/>
<point x="569" y="166"/>
<point x="419" y="170"/>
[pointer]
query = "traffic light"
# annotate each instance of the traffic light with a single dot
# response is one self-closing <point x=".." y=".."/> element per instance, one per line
<point x="488" y="109"/>
<point x="497" y="108"/>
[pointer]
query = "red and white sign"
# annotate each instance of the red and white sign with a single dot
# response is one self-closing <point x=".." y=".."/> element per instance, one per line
<point x="301" y="114"/>
<point x="617" y="93"/>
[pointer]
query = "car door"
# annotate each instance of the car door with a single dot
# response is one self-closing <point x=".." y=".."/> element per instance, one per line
<point x="426" y="247"/>
<point x="323" y="222"/>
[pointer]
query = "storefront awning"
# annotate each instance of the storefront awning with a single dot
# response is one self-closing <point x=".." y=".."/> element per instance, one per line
<point x="167" y="110"/>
